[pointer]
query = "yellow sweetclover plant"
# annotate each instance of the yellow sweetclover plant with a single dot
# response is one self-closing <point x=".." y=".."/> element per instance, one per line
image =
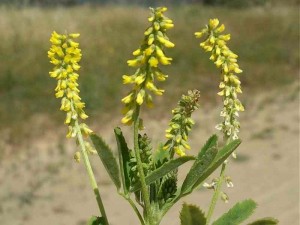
<point x="149" y="173"/>
<point x="65" y="55"/>
<point x="230" y="85"/>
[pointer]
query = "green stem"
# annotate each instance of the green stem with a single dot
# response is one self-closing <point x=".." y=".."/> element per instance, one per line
<point x="144" y="189"/>
<point x="218" y="187"/>
<point x="137" y="212"/>
<point x="90" y="172"/>
<point x="216" y="194"/>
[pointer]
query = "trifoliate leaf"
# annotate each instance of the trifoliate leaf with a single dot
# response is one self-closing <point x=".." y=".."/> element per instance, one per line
<point x="237" y="214"/>
<point x="191" y="215"/>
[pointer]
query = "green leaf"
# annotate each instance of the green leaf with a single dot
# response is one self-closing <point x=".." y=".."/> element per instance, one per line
<point x="265" y="221"/>
<point x="212" y="141"/>
<point x="94" y="220"/>
<point x="237" y="214"/>
<point x="107" y="158"/>
<point x="163" y="170"/>
<point x="198" y="168"/>
<point x="222" y="155"/>
<point x="191" y="215"/>
<point x="123" y="159"/>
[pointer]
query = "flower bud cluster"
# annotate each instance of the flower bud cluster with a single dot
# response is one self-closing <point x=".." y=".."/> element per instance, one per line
<point x="226" y="60"/>
<point x="181" y="123"/>
<point x="146" y="158"/>
<point x="65" y="55"/>
<point x="168" y="187"/>
<point x="147" y="58"/>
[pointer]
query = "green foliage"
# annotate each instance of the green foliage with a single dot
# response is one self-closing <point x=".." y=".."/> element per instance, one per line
<point x="164" y="170"/>
<point x="212" y="141"/>
<point x="107" y="158"/>
<point x="192" y="215"/>
<point x="200" y="165"/>
<point x="124" y="158"/>
<point x="237" y="214"/>
<point x="95" y="220"/>
<point x="222" y="155"/>
<point x="265" y="221"/>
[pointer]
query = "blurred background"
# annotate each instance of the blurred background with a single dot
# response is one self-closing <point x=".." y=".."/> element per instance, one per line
<point x="39" y="181"/>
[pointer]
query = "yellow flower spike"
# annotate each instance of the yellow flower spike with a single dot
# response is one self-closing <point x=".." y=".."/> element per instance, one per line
<point x="148" y="58"/>
<point x="181" y="123"/>
<point x="226" y="60"/>
<point x="65" y="55"/>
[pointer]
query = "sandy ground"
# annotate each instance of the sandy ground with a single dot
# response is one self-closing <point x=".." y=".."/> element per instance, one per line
<point x="41" y="185"/>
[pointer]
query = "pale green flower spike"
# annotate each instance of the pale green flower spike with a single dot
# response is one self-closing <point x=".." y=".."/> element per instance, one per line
<point x="230" y="85"/>
<point x="65" y="55"/>
<point x="147" y="59"/>
<point x="181" y="123"/>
